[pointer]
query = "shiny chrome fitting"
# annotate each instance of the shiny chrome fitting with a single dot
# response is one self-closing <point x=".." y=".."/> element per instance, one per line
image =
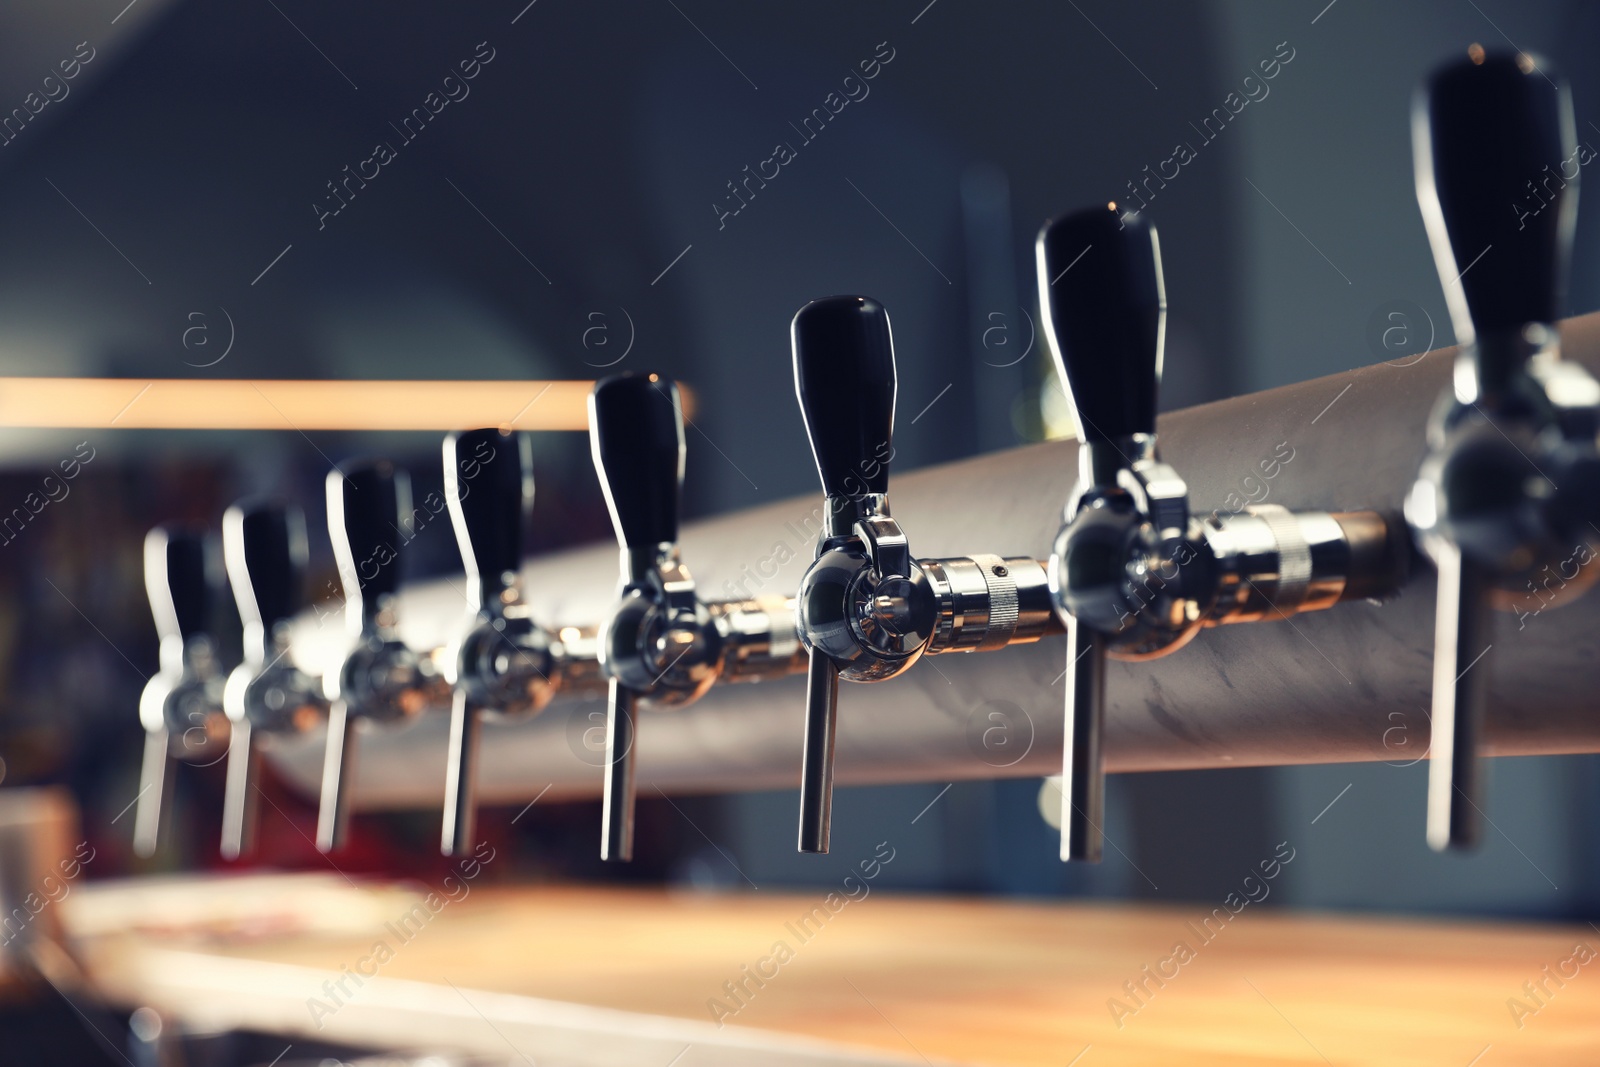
<point x="760" y="640"/>
<point x="985" y="603"/>
<point x="1272" y="562"/>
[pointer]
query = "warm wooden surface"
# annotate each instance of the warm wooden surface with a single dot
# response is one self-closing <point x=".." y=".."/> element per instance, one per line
<point x="976" y="981"/>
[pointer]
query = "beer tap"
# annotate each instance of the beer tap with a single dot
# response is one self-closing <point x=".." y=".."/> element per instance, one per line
<point x="381" y="679"/>
<point x="661" y="646"/>
<point x="1134" y="574"/>
<point x="507" y="665"/>
<point x="659" y="642"/>
<point x="264" y="548"/>
<point x="866" y="609"/>
<point x="181" y="706"/>
<point x="1509" y="488"/>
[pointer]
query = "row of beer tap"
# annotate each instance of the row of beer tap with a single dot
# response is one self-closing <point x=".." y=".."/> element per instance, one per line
<point x="1510" y="484"/>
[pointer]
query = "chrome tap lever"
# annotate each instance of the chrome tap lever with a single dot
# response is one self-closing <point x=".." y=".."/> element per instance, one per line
<point x="1506" y="488"/>
<point x="264" y="548"/>
<point x="816" y="766"/>
<point x="181" y="706"/>
<point x="620" y="787"/>
<point x="1104" y="312"/>
<point x="659" y="644"/>
<point x="864" y="611"/>
<point x="507" y="664"/>
<point x="381" y="680"/>
<point x="1083" y="781"/>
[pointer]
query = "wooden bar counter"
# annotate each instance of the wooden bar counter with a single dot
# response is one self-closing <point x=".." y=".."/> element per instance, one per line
<point x="588" y="975"/>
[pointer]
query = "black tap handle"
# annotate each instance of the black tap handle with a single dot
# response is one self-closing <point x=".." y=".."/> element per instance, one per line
<point x="369" y="516"/>
<point x="1105" y="309"/>
<point x="488" y="485"/>
<point x="845" y="379"/>
<point x="176" y="581"/>
<point x="264" y="548"/>
<point x="636" y="437"/>
<point x="1492" y="135"/>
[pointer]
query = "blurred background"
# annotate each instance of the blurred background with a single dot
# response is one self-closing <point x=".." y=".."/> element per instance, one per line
<point x="181" y="207"/>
